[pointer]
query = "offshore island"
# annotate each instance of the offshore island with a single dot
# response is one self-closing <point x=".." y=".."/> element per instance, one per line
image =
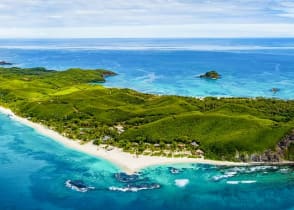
<point x="136" y="130"/>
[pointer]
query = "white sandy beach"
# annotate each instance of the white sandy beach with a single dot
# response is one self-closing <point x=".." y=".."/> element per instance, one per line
<point x="127" y="162"/>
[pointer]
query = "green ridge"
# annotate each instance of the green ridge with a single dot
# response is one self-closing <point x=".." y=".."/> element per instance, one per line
<point x="73" y="103"/>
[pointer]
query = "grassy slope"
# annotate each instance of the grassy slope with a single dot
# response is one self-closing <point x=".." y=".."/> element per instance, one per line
<point x="68" y="103"/>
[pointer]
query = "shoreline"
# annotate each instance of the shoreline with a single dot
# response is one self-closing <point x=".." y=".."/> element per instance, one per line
<point x="127" y="162"/>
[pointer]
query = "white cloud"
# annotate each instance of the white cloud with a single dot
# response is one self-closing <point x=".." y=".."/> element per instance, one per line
<point x="101" y="12"/>
<point x="286" y="9"/>
<point x="121" y="14"/>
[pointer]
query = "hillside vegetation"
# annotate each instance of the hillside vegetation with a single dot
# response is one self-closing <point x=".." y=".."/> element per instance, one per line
<point x="73" y="103"/>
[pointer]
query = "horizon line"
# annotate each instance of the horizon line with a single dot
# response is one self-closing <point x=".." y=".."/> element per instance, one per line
<point x="220" y="37"/>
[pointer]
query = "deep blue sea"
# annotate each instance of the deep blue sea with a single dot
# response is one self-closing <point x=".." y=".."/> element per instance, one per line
<point x="34" y="169"/>
<point x="249" y="67"/>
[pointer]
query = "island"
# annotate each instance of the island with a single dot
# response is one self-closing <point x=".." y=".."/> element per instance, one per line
<point x="211" y="75"/>
<point x="5" y="63"/>
<point x="275" y="90"/>
<point x="74" y="105"/>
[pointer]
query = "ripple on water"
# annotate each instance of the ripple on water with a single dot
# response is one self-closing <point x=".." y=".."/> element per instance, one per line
<point x="127" y="178"/>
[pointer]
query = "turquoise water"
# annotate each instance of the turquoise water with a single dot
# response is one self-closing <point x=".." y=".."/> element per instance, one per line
<point x="34" y="169"/>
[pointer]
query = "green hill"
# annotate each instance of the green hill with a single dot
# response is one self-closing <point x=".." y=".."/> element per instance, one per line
<point x="74" y="103"/>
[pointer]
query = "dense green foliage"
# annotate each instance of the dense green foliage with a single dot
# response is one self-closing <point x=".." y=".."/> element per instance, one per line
<point x="290" y="152"/>
<point x="74" y="104"/>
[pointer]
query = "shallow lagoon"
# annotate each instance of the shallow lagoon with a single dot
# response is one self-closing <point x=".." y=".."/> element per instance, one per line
<point x="34" y="170"/>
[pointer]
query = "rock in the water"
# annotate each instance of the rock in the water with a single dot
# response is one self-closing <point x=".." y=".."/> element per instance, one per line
<point x="211" y="75"/>
<point x="78" y="185"/>
<point x="174" y="170"/>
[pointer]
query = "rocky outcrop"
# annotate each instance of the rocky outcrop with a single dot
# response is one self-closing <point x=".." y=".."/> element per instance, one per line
<point x="280" y="153"/>
<point x="108" y="74"/>
<point x="267" y="156"/>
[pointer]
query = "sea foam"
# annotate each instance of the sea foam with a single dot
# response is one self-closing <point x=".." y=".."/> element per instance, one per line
<point x="242" y="182"/>
<point x="181" y="182"/>
<point x="135" y="188"/>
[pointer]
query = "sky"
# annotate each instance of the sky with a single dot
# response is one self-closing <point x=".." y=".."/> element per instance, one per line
<point x="146" y="18"/>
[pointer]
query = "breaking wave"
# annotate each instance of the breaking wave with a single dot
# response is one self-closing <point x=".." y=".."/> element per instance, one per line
<point x="242" y="182"/>
<point x="135" y="187"/>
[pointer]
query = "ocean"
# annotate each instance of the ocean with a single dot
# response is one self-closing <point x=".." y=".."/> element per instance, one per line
<point x="38" y="173"/>
<point x="249" y="67"/>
